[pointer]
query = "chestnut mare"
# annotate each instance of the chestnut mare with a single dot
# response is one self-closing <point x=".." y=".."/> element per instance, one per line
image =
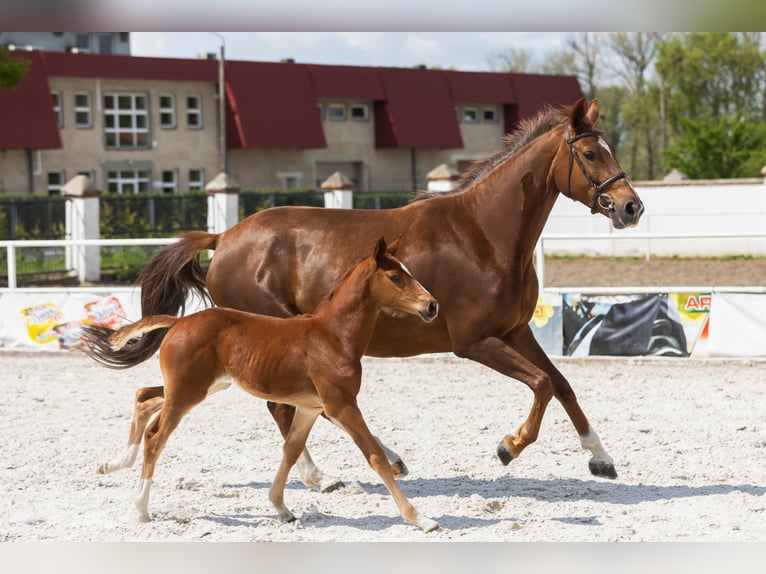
<point x="312" y="362"/>
<point x="472" y="248"/>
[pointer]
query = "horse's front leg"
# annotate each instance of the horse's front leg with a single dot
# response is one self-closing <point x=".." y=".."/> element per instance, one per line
<point x="309" y="472"/>
<point x="601" y="464"/>
<point x="496" y="354"/>
<point x="295" y="442"/>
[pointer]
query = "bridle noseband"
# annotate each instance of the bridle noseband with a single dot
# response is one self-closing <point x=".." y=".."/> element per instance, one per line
<point x="597" y="189"/>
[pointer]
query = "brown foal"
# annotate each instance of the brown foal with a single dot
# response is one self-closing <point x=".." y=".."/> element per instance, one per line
<point x="312" y="362"/>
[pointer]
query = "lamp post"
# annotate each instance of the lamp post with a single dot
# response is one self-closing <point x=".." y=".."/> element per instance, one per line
<point x="222" y="157"/>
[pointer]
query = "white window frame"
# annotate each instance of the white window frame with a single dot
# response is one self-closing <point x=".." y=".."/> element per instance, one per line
<point x="336" y="112"/>
<point x="492" y="111"/>
<point x="365" y="113"/>
<point x="168" y="110"/>
<point x="127" y="136"/>
<point x="194" y="112"/>
<point x="470" y="115"/>
<point x="87" y="110"/>
<point x="55" y="188"/>
<point x="170" y="186"/>
<point x="121" y="180"/>
<point x="58" y="107"/>
<point x="198" y="183"/>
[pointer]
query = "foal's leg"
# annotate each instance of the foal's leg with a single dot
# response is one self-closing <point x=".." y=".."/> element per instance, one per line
<point x="601" y="464"/>
<point x="294" y="445"/>
<point x="156" y="437"/>
<point x="347" y="415"/>
<point x="310" y="474"/>
<point x="148" y="401"/>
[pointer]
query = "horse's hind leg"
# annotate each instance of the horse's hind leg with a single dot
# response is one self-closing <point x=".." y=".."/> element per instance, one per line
<point x="310" y="474"/>
<point x="601" y="464"/>
<point x="148" y="401"/>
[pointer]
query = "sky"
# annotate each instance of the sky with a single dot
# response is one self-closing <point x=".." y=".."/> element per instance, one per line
<point x="458" y="50"/>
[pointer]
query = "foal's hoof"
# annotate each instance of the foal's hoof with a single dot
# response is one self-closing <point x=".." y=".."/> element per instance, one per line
<point x="331" y="485"/>
<point x="503" y="454"/>
<point x="601" y="468"/>
<point x="399" y="469"/>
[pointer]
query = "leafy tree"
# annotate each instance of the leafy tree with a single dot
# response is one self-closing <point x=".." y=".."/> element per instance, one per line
<point x="714" y="86"/>
<point x="12" y="70"/>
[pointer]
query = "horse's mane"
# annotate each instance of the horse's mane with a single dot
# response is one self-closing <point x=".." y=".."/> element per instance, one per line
<point x="528" y="130"/>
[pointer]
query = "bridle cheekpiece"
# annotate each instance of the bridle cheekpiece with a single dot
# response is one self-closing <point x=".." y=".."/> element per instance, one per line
<point x="573" y="157"/>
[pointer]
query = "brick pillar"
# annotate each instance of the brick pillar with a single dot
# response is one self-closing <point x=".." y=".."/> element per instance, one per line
<point x="338" y="191"/>
<point x="442" y="178"/>
<point x="222" y="203"/>
<point x="83" y="222"/>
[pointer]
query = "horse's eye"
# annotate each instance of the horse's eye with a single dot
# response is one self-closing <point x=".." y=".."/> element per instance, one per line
<point x="395" y="279"/>
<point x="589" y="155"/>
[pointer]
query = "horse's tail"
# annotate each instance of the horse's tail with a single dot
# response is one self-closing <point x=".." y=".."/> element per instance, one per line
<point x="121" y="348"/>
<point x="166" y="281"/>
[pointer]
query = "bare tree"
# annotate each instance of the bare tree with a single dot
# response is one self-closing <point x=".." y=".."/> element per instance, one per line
<point x="586" y="48"/>
<point x="513" y="59"/>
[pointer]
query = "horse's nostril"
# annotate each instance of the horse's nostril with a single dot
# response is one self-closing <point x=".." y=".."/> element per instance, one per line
<point x="433" y="308"/>
<point x="630" y="208"/>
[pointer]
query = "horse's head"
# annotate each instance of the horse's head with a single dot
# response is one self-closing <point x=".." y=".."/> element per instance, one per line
<point x="396" y="289"/>
<point x="590" y="172"/>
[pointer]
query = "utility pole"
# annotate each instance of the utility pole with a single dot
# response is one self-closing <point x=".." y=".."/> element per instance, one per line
<point x="222" y="156"/>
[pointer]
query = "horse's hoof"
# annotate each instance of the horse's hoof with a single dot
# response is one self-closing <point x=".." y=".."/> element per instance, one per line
<point x="399" y="469"/>
<point x="331" y="485"/>
<point x="601" y="468"/>
<point x="503" y="454"/>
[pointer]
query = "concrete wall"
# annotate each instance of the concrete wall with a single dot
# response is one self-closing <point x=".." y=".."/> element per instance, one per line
<point x="715" y="206"/>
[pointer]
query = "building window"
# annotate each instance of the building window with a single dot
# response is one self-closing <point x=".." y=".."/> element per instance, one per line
<point x="83" y="115"/>
<point x="128" y="181"/>
<point x="321" y="112"/>
<point x="55" y="182"/>
<point x="126" y="121"/>
<point x="470" y="115"/>
<point x="82" y="42"/>
<point x="194" y="111"/>
<point x="360" y="113"/>
<point x="196" y="179"/>
<point x="489" y="115"/>
<point x="336" y="112"/>
<point x="290" y="179"/>
<point x="58" y="108"/>
<point x="167" y="111"/>
<point x="169" y="182"/>
<point x="105" y="44"/>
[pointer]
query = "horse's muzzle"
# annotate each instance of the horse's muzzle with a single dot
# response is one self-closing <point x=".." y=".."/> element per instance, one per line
<point x="623" y="215"/>
<point x="430" y="312"/>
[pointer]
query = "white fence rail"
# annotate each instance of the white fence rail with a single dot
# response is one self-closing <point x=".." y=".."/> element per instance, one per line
<point x="543" y="246"/>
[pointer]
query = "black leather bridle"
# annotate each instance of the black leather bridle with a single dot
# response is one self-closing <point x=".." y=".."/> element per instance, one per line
<point x="573" y="157"/>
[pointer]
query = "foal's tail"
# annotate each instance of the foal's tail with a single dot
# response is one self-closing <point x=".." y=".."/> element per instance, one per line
<point x="166" y="282"/>
<point x="121" y="348"/>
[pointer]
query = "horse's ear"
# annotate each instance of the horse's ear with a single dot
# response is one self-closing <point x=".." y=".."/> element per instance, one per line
<point x="592" y="113"/>
<point x="394" y="245"/>
<point x="578" y="114"/>
<point x="380" y="247"/>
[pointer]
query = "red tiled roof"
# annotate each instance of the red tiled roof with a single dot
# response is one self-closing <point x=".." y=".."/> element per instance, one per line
<point x="346" y="82"/>
<point x="419" y="110"/>
<point x="272" y="106"/>
<point x="130" y="67"/>
<point x="533" y="91"/>
<point x="27" y="118"/>
<point x="480" y="87"/>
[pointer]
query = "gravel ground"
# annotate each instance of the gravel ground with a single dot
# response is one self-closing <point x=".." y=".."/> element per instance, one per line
<point x="688" y="438"/>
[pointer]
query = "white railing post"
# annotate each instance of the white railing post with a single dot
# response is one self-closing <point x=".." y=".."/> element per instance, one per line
<point x="11" y="266"/>
<point x="83" y="222"/>
<point x="442" y="178"/>
<point x="222" y="203"/>
<point x="338" y="191"/>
